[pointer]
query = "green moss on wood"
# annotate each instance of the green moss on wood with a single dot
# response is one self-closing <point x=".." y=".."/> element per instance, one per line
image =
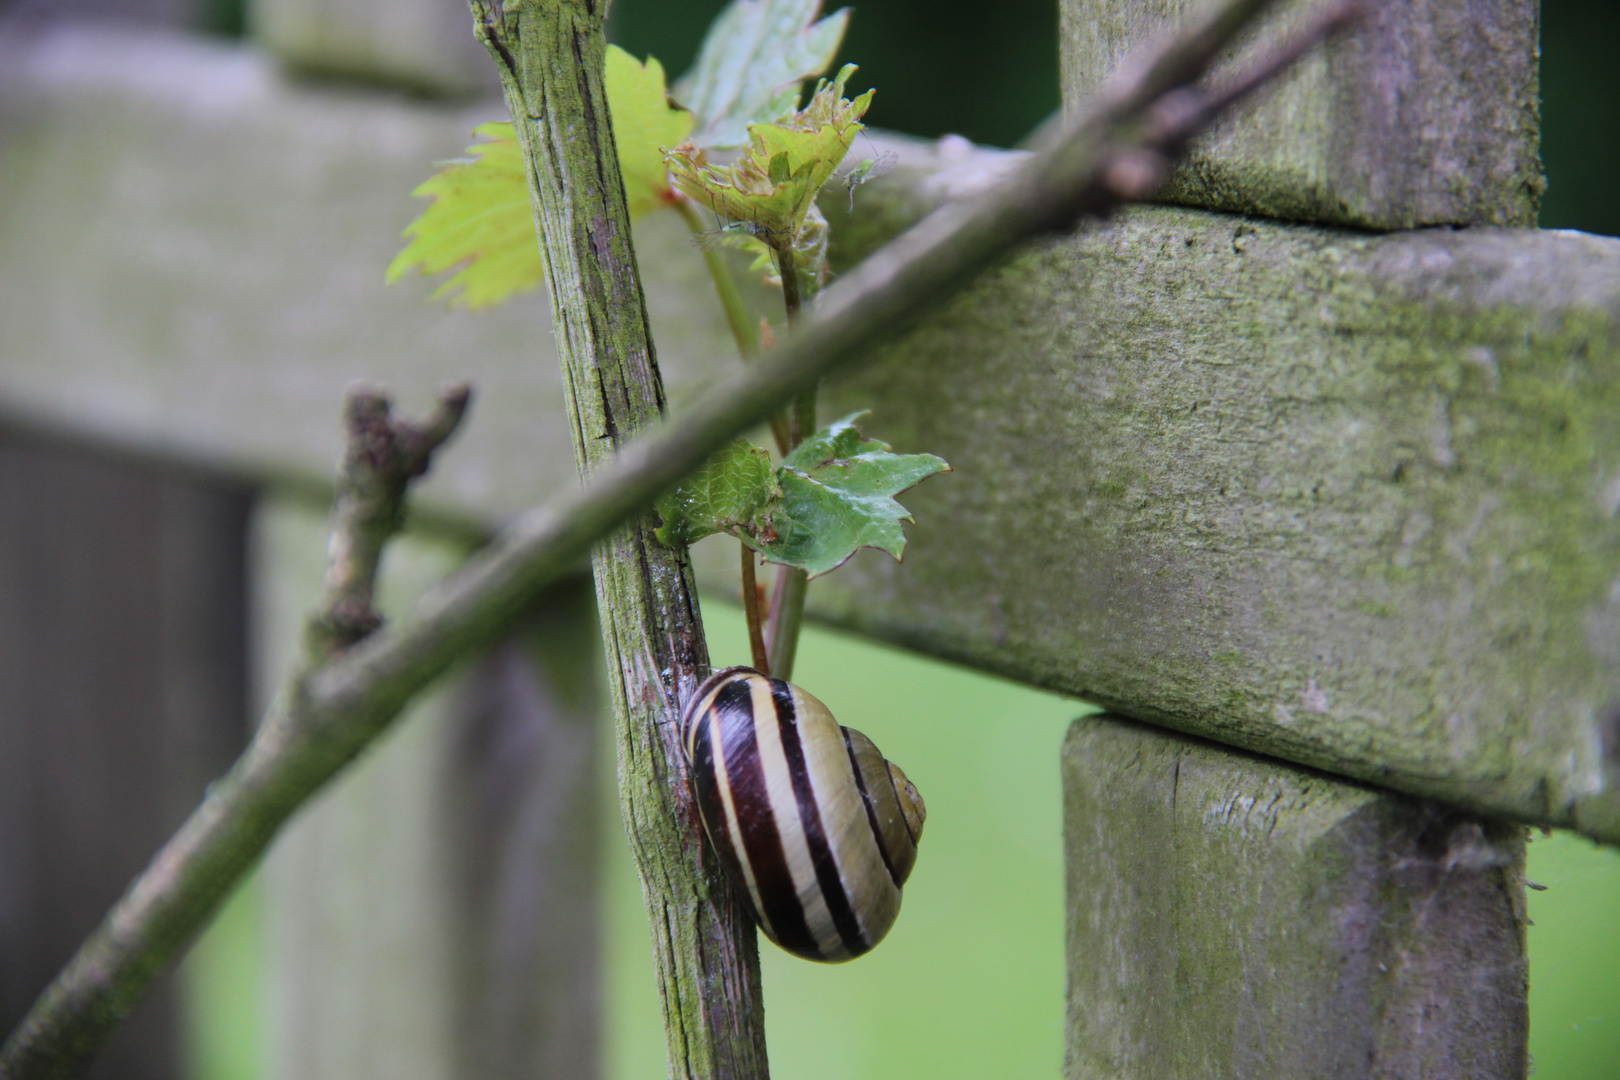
<point x="1382" y="470"/>
<point x="1230" y="916"/>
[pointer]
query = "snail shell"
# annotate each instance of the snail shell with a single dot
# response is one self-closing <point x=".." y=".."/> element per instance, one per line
<point x="817" y="830"/>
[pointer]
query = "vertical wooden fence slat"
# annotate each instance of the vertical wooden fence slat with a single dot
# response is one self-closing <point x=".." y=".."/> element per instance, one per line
<point x="527" y="835"/>
<point x="423" y="44"/>
<point x="121" y="695"/>
<point x="1233" y="916"/>
<point x="432" y="913"/>
<point x="1428" y="114"/>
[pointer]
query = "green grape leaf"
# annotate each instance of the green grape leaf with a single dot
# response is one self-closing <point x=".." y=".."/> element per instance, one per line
<point x="645" y="125"/>
<point x="735" y="492"/>
<point x="774" y="184"/>
<point x="838" y="494"/>
<point x="752" y="61"/>
<point x="480" y="220"/>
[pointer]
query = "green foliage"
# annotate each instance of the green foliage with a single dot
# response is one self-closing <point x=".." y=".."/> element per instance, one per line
<point x="831" y="496"/>
<point x="752" y="61"/>
<point x="480" y="223"/>
<point x="645" y="125"/>
<point x="734" y="492"/>
<point x="773" y="186"/>
<point x="838" y="495"/>
<point x="480" y="219"/>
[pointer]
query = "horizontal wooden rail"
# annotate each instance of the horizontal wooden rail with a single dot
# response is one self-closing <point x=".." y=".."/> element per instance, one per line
<point x="1345" y="499"/>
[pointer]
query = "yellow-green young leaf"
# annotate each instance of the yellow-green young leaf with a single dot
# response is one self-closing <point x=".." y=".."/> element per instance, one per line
<point x="809" y="250"/>
<point x="480" y="220"/>
<point x="775" y="182"/>
<point x="645" y="125"/>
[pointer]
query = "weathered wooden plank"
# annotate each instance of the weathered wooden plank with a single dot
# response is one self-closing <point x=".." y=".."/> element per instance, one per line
<point x="122" y="693"/>
<point x="434" y="912"/>
<point x="1231" y="916"/>
<point x="1427" y="115"/>
<point x="209" y="277"/>
<point x="1345" y="499"/>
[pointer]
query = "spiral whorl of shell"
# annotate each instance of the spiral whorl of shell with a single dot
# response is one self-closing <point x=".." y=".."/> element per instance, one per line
<point x="817" y="830"/>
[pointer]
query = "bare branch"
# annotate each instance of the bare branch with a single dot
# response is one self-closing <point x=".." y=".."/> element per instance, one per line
<point x="323" y="718"/>
<point x="382" y="456"/>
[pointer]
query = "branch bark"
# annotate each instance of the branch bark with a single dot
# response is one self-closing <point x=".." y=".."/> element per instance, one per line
<point x="550" y="57"/>
<point x="327" y="715"/>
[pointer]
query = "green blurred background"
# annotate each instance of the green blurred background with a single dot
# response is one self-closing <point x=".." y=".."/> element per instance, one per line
<point x="970" y="983"/>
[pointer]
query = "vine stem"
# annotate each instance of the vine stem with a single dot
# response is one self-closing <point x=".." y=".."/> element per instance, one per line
<point x="550" y="56"/>
<point x="750" y="594"/>
<point x="725" y="285"/>
<point x="743" y="330"/>
<point x="792" y="583"/>
<point x="326" y="715"/>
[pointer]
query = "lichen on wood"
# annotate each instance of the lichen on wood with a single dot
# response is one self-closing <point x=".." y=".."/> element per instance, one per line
<point x="1345" y="499"/>
<point x="1231" y="916"/>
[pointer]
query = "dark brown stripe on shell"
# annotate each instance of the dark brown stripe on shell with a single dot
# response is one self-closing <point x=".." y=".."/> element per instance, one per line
<point x="871" y="808"/>
<point x="821" y="857"/>
<point x="712" y="809"/>
<point x="762" y="843"/>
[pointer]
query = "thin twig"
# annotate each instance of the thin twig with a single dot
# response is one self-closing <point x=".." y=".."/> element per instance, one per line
<point x="787" y="617"/>
<point x="787" y="599"/>
<point x="725" y="286"/>
<point x="743" y="330"/>
<point x="750" y="599"/>
<point x="323" y="718"/>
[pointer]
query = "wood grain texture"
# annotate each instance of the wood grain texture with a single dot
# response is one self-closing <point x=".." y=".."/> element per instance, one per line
<point x="1230" y="916"/>
<point x="122" y="693"/>
<point x="1344" y="499"/>
<point x="1427" y="115"/>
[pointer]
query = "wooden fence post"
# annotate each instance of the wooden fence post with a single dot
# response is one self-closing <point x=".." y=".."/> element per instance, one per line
<point x="433" y="913"/>
<point x="1232" y="916"/>
<point x="122" y="693"/>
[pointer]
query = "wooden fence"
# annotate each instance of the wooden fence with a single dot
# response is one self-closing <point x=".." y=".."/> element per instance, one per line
<point x="1291" y="467"/>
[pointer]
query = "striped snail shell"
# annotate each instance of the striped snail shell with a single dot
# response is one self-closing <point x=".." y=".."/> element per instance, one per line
<point x="817" y="830"/>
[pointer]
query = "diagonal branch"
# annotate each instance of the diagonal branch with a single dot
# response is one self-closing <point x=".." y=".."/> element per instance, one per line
<point x="324" y="717"/>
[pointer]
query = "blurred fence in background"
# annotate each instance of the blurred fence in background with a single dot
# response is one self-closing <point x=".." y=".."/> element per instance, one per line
<point x="192" y="234"/>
